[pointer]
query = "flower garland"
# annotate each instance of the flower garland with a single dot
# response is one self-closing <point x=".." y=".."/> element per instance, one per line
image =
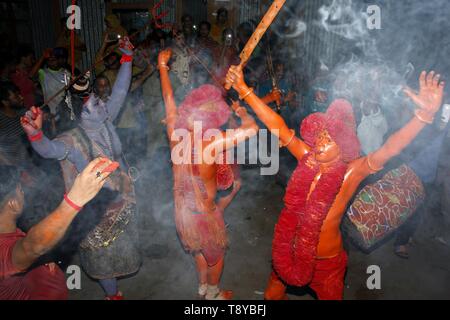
<point x="298" y="229"/>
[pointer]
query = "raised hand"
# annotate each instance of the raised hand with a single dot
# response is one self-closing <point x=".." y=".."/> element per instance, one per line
<point x="32" y="121"/>
<point x="89" y="182"/>
<point x="164" y="57"/>
<point x="47" y="53"/>
<point x="290" y="96"/>
<point x="430" y="96"/>
<point x="235" y="77"/>
<point x="125" y="46"/>
<point x="239" y="110"/>
<point x="274" y="96"/>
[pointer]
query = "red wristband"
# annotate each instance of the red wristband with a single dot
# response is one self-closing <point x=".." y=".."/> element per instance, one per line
<point x="70" y="203"/>
<point x="37" y="137"/>
<point x="126" y="58"/>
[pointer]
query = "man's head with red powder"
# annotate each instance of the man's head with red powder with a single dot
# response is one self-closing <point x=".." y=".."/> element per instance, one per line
<point x="206" y="105"/>
<point x="332" y="135"/>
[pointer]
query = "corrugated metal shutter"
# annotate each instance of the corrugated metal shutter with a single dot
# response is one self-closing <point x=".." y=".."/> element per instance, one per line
<point x="92" y="25"/>
<point x="197" y="9"/>
<point x="249" y="10"/>
<point x="319" y="45"/>
<point x="44" y="35"/>
<point x="315" y="45"/>
<point x="168" y="5"/>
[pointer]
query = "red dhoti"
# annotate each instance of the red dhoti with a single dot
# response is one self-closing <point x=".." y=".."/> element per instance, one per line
<point x="327" y="281"/>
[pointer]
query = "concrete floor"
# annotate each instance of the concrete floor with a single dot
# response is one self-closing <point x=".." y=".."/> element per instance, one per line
<point x="168" y="273"/>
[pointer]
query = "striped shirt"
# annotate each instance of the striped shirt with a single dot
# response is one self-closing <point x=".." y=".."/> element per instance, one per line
<point x="13" y="143"/>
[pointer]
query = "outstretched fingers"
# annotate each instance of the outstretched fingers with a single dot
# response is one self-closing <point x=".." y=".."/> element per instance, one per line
<point x="423" y="79"/>
<point x="429" y="79"/>
<point x="436" y="80"/>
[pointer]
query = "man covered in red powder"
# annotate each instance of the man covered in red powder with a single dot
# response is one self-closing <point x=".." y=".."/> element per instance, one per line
<point x="20" y="277"/>
<point x="198" y="215"/>
<point x="307" y="245"/>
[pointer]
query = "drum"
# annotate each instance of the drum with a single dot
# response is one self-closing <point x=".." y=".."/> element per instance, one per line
<point x="382" y="207"/>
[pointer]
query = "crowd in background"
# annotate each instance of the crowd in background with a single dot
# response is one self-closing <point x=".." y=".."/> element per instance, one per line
<point x="202" y="54"/>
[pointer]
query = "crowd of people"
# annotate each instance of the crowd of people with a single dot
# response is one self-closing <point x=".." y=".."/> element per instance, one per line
<point x="98" y="130"/>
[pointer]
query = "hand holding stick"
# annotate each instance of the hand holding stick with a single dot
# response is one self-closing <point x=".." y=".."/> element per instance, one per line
<point x="32" y="121"/>
<point x="258" y="34"/>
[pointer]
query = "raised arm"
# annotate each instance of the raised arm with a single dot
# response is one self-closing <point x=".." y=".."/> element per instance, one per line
<point x="224" y="202"/>
<point x="32" y="125"/>
<point x="122" y="84"/>
<point x="34" y="70"/>
<point x="233" y="137"/>
<point x="169" y="99"/>
<point x="46" y="234"/>
<point x="428" y="100"/>
<point x="270" y="118"/>
<point x="272" y="96"/>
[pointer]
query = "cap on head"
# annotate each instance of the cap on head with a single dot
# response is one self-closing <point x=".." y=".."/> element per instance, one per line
<point x="60" y="52"/>
<point x="339" y="122"/>
<point x="211" y="118"/>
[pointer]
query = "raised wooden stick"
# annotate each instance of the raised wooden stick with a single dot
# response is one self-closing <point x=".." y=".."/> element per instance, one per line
<point x="258" y="34"/>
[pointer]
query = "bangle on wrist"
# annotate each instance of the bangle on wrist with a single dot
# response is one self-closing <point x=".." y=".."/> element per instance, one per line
<point x="37" y="137"/>
<point x="126" y="58"/>
<point x="282" y="145"/>
<point x="163" y="65"/>
<point x="250" y="90"/>
<point x="423" y="116"/>
<point x="71" y="203"/>
<point x="371" y="167"/>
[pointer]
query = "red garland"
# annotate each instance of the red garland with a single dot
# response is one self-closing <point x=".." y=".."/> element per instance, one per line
<point x="298" y="229"/>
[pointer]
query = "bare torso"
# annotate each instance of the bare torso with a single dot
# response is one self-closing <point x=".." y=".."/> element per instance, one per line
<point x="208" y="174"/>
<point x="330" y="241"/>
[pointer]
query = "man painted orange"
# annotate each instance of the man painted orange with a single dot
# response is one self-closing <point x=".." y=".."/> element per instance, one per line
<point x="198" y="216"/>
<point x="308" y="247"/>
